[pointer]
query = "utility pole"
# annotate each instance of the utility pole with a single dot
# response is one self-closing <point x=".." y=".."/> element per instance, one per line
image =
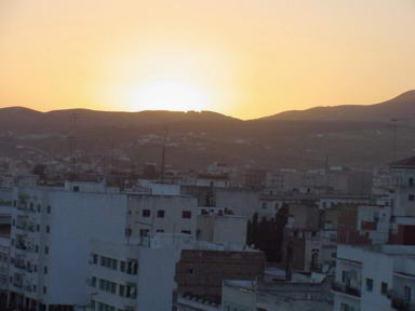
<point x="163" y="155"/>
<point x="72" y="142"/>
<point x="395" y="137"/>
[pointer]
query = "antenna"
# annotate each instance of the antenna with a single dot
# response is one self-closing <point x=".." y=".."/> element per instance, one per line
<point x="395" y="137"/>
<point x="163" y="155"/>
<point x="72" y="141"/>
<point x="326" y="172"/>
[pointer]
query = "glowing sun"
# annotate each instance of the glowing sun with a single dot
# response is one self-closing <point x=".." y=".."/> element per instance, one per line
<point x="169" y="95"/>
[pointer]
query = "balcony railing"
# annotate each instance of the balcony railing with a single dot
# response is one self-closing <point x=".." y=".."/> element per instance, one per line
<point x="21" y="246"/>
<point x="402" y="304"/>
<point x="346" y="289"/>
<point x="26" y="226"/>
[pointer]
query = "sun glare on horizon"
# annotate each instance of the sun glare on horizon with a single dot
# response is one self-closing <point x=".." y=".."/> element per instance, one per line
<point x="165" y="94"/>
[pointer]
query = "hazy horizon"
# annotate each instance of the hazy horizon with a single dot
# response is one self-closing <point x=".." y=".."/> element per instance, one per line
<point x="203" y="110"/>
<point x="246" y="59"/>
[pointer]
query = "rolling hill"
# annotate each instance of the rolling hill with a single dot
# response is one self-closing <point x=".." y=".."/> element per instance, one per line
<point x="358" y="136"/>
<point x="401" y="107"/>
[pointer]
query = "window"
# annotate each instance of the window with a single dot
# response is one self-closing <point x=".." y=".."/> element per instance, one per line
<point x="159" y="230"/>
<point x="407" y="293"/>
<point x="121" y="290"/>
<point x="45" y="289"/>
<point x="186" y="231"/>
<point x="346" y="307"/>
<point x="369" y="285"/>
<point x="94" y="281"/>
<point x="160" y="214"/>
<point x="108" y="286"/>
<point x="131" y="291"/>
<point x="146" y="213"/>
<point x="132" y="267"/>
<point x="94" y="259"/>
<point x="122" y="266"/>
<point x="186" y="214"/>
<point x="47" y="229"/>
<point x="46" y="250"/>
<point x="109" y="263"/>
<point x="38" y="208"/>
<point x="45" y="270"/>
<point x="384" y="288"/>
<point x="411" y="197"/>
<point x="144" y="232"/>
<point x="49" y="209"/>
<point x="411" y="182"/>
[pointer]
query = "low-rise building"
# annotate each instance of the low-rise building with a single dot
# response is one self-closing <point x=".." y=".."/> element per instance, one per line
<point x="302" y="292"/>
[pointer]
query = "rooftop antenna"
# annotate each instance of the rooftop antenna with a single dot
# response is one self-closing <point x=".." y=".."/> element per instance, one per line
<point x="395" y="137"/>
<point x="326" y="172"/>
<point x="111" y="161"/>
<point x="72" y="142"/>
<point x="163" y="155"/>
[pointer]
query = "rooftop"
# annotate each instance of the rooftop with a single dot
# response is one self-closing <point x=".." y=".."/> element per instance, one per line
<point x="404" y="163"/>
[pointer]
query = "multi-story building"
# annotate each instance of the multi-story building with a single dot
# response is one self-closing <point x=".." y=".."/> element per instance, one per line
<point x="5" y="223"/>
<point x="162" y="270"/>
<point x="374" y="278"/>
<point x="4" y="268"/>
<point x="52" y="229"/>
<point x="151" y="214"/>
<point x="131" y="276"/>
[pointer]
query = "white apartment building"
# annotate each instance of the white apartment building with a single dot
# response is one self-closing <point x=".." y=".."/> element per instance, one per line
<point x="397" y="190"/>
<point x="4" y="269"/>
<point x="374" y="278"/>
<point x="151" y="214"/>
<point x="131" y="276"/>
<point x="52" y="229"/>
<point x="134" y="276"/>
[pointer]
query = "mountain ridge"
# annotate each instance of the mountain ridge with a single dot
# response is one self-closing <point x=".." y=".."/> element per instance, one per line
<point x="398" y="107"/>
<point x="199" y="138"/>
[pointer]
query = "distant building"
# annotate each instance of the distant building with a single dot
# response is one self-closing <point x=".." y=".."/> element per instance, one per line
<point x="225" y="229"/>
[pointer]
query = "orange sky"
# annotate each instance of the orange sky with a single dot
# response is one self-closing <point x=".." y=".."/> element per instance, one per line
<point x="243" y="58"/>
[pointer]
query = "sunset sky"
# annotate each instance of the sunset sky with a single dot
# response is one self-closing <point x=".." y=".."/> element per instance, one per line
<point x="243" y="58"/>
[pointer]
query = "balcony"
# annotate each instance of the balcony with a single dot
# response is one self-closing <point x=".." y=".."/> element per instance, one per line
<point x="20" y="264"/>
<point x="346" y="289"/>
<point x="26" y="226"/>
<point x="21" y="245"/>
<point x="402" y="304"/>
